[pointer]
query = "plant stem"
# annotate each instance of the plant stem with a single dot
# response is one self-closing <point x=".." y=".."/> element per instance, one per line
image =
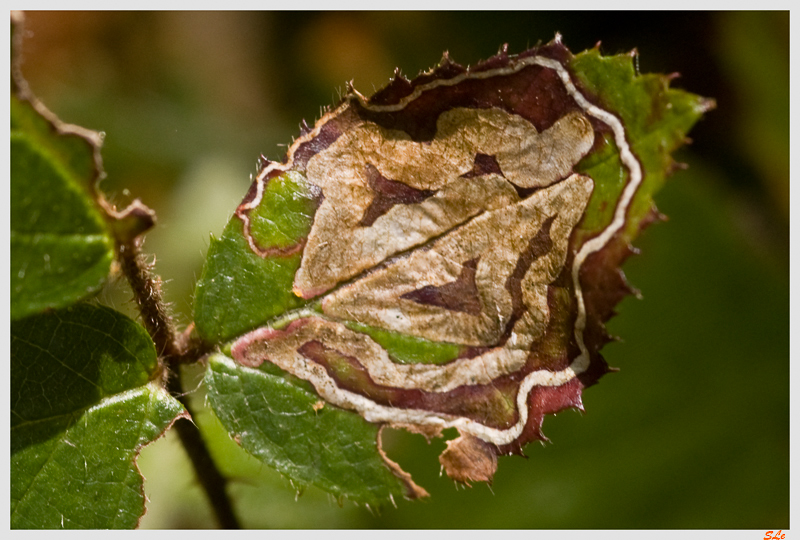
<point x="147" y="294"/>
<point x="209" y="475"/>
<point x="174" y="350"/>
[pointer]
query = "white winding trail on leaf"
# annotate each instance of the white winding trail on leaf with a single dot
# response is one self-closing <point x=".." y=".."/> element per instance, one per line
<point x="374" y="412"/>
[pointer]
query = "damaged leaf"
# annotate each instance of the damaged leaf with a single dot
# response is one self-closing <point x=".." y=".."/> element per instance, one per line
<point x="441" y="255"/>
<point x="85" y="399"/>
<point x="61" y="248"/>
<point x="63" y="229"/>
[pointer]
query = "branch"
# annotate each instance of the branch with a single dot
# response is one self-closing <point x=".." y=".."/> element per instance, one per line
<point x="212" y="480"/>
<point x="173" y="350"/>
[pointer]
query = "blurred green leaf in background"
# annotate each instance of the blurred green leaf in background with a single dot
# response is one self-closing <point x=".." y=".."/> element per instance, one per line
<point x="694" y="430"/>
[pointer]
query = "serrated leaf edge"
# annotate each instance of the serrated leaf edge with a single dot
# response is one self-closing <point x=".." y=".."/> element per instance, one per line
<point x="374" y="412"/>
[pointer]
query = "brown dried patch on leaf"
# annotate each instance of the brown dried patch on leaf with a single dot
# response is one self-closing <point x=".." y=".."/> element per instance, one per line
<point x="450" y="219"/>
<point x="484" y="164"/>
<point x="377" y="182"/>
<point x="542" y="401"/>
<point x="390" y="298"/>
<point x="342" y="364"/>
<point x="388" y="193"/>
<point x="469" y="459"/>
<point x="427" y="431"/>
<point x="459" y="295"/>
<point x="413" y="490"/>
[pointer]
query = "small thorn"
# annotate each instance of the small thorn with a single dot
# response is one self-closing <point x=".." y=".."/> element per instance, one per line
<point x="304" y="127"/>
<point x="707" y="104"/>
<point x="351" y="91"/>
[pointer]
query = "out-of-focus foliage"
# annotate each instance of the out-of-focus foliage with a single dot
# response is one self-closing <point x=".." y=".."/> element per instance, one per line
<point x="693" y="432"/>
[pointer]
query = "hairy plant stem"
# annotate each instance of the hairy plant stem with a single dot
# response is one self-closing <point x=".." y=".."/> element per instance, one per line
<point x="173" y="350"/>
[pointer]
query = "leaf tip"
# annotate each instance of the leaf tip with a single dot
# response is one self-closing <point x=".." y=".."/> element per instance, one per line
<point x="469" y="459"/>
<point x="705" y="105"/>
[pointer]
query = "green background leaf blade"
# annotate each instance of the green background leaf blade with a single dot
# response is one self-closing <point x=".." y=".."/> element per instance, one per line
<point x="84" y="400"/>
<point x="61" y="250"/>
<point x="84" y="476"/>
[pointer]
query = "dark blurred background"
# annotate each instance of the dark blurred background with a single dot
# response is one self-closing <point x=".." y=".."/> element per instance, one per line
<point x="693" y="432"/>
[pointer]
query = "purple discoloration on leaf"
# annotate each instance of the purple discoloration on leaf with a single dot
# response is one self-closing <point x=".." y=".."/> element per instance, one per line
<point x="388" y="193"/>
<point x="511" y="272"/>
<point x="459" y="295"/>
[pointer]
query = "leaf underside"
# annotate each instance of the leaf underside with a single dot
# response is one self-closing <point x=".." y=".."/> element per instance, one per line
<point x="442" y="254"/>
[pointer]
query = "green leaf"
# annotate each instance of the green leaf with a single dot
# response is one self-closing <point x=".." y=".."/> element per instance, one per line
<point x="656" y="118"/>
<point x="61" y="249"/>
<point x="239" y="289"/>
<point x="405" y="349"/>
<point x="455" y="259"/>
<point x="85" y="399"/>
<point x="284" y="424"/>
